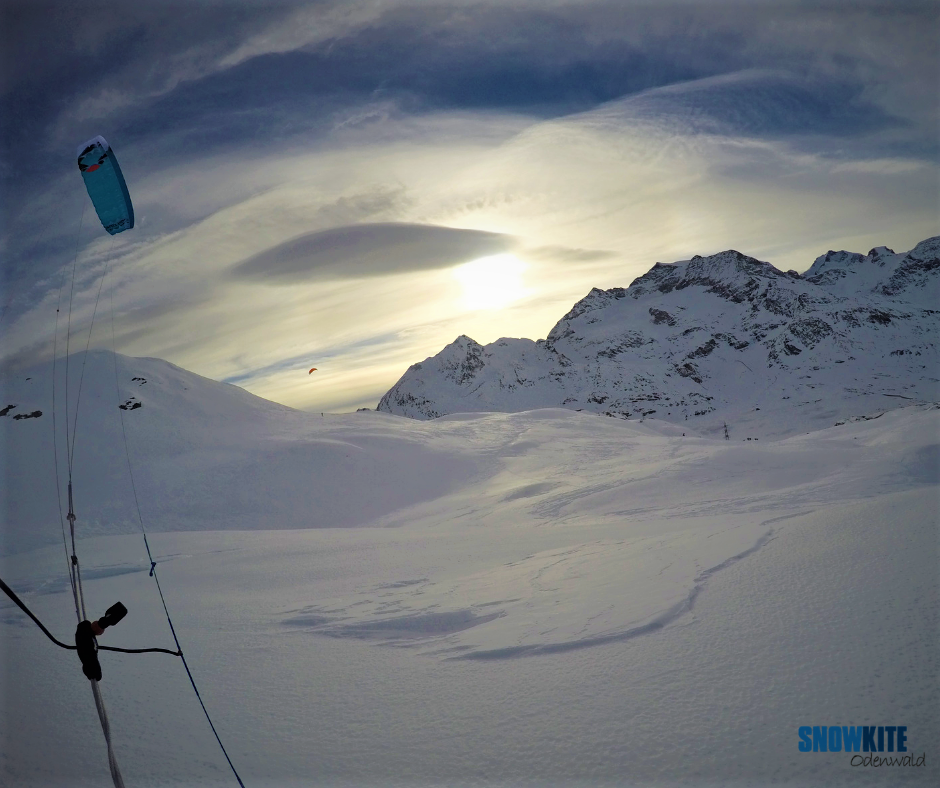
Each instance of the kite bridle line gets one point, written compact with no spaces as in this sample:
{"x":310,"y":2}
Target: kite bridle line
{"x":143,"y":531}
{"x":75,"y":574}
{"x":55,"y":433}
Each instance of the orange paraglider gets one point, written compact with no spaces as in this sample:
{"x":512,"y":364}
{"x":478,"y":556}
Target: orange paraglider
{"x":312,"y":369}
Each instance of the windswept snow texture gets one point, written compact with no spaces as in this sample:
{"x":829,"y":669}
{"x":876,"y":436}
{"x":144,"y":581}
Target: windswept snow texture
{"x":725,"y":339}
{"x":547,"y":598}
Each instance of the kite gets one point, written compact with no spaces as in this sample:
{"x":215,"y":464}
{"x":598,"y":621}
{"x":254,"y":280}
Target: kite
{"x":106,"y":187}
{"x":314,"y":369}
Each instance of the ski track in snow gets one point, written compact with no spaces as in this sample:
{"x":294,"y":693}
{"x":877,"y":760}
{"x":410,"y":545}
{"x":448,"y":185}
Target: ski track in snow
{"x":429,"y":627}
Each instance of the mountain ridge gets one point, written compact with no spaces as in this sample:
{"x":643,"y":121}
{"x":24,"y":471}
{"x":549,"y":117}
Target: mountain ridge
{"x":722,"y":336}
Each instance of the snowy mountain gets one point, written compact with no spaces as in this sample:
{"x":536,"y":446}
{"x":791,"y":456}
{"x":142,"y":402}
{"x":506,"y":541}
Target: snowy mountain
{"x":724,"y":339}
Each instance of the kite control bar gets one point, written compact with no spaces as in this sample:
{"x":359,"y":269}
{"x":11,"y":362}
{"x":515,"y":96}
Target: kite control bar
{"x":115,"y":613}
{"x":85,"y":642}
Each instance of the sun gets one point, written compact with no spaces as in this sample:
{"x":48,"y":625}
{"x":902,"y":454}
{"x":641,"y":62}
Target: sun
{"x":491,"y":282}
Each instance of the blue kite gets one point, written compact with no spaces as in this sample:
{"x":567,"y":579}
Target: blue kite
{"x":106,"y":187}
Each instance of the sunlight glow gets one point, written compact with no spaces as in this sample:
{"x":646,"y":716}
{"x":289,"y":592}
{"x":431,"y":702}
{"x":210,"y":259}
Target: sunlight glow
{"x":491,"y":282}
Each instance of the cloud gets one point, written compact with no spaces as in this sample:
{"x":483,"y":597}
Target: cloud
{"x":143,"y":66}
{"x":565,"y":255}
{"x":363,"y":250}
{"x":756,"y":103}
{"x":363,"y":225}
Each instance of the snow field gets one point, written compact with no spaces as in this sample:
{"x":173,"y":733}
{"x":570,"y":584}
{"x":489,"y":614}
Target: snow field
{"x":542,"y":598}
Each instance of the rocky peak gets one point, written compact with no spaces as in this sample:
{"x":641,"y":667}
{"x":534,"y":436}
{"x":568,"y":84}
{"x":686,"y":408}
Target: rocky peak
{"x":928,"y":250}
{"x":831,"y":259}
{"x":883,"y":272}
{"x":916,"y":275}
{"x":596,"y":299}
{"x":730,"y":274}
{"x":461,"y":359}
{"x":880,"y":255}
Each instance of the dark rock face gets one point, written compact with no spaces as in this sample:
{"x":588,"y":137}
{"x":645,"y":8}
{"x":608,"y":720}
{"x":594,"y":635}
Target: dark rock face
{"x":463,"y":367}
{"x":810,"y":330}
{"x":661,"y":317}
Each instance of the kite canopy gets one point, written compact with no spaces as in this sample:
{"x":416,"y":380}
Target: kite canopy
{"x":105,"y":183}
{"x":314,"y":369}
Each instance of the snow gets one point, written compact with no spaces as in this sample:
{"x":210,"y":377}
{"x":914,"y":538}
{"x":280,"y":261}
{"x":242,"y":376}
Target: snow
{"x":542,"y":597}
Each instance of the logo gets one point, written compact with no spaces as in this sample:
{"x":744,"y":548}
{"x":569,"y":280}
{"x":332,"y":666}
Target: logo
{"x":860,"y":738}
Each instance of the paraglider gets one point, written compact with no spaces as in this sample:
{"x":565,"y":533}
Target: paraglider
{"x":105,"y":184}
{"x":312,"y":370}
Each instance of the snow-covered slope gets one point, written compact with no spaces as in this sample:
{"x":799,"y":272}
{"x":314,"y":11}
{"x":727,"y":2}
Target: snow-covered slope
{"x":541,"y":619}
{"x":205,"y":455}
{"x":527,"y":598}
{"x":725,"y":339}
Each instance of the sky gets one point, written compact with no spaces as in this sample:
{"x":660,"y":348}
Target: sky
{"x":352,"y":185}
